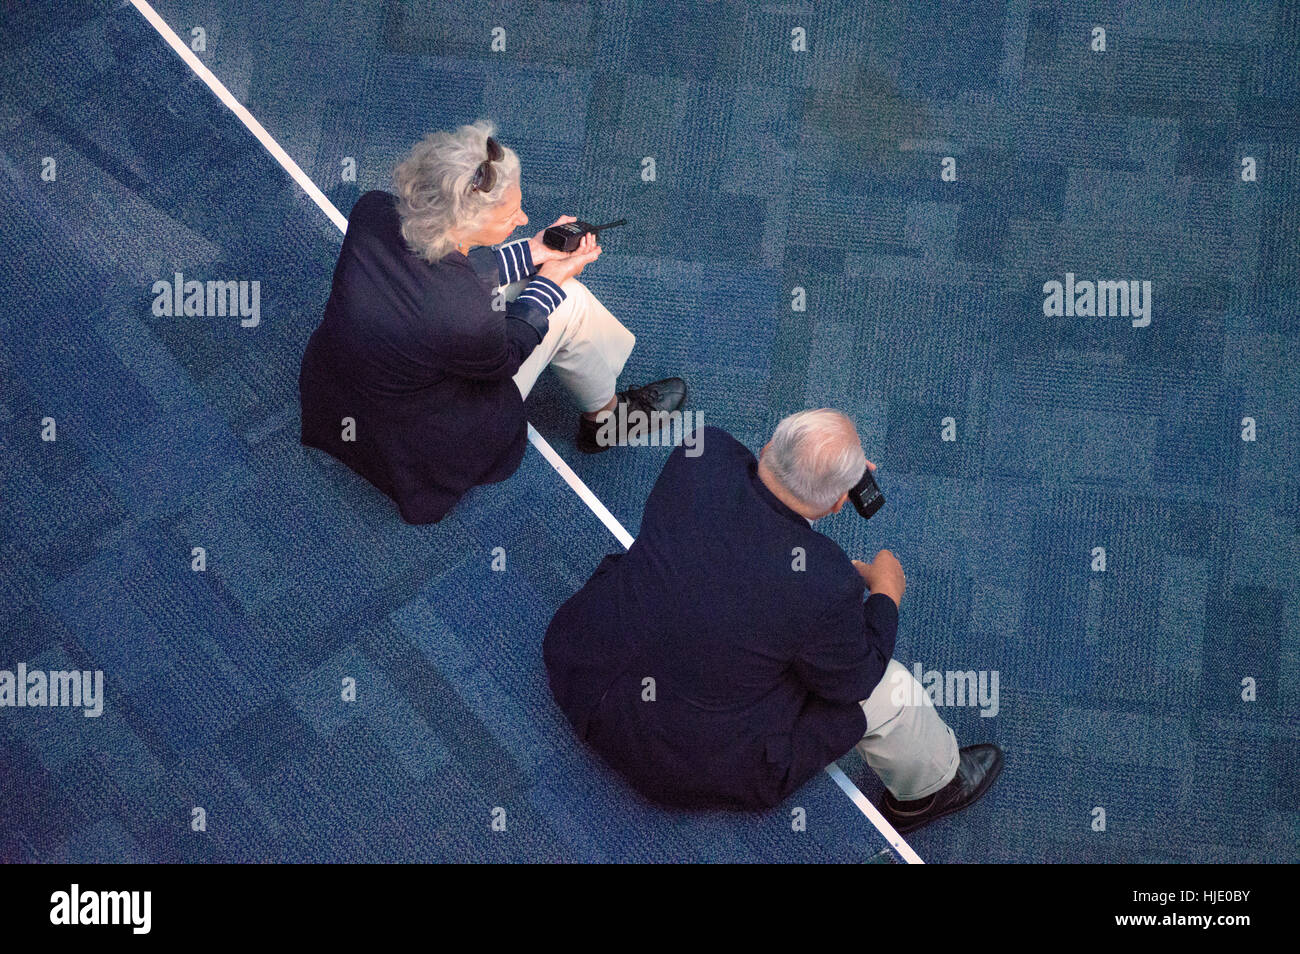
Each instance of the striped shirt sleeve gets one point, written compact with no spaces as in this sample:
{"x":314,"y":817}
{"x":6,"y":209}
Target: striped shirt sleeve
{"x":499,"y":266}
{"x":514,"y":261}
{"x":540,"y":297}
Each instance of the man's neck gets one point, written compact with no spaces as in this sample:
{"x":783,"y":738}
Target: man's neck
{"x":783,"y":495}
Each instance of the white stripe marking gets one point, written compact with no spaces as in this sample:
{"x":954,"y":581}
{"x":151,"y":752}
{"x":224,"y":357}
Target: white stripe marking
{"x":245,"y":117}
{"x":547,"y":451}
{"x":581,"y":489}
{"x":873,"y":814}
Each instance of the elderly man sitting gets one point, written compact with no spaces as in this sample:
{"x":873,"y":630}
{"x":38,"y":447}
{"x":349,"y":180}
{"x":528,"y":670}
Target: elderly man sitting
{"x":431,"y":340}
{"x":729,"y":655}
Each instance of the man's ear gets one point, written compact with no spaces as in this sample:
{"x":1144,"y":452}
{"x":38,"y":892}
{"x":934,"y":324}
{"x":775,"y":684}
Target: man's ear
{"x":839,"y":504}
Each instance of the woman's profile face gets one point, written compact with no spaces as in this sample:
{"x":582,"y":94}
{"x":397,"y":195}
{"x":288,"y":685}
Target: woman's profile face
{"x":505,"y":218}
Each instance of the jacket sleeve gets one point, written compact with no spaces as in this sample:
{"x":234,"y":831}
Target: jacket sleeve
{"x":511,"y":262}
{"x":488,"y":344}
{"x":533,"y":307}
{"x":849,"y":648}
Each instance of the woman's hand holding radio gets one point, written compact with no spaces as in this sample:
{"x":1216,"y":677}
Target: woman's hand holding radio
{"x":538,"y":249}
{"x":561,"y":266}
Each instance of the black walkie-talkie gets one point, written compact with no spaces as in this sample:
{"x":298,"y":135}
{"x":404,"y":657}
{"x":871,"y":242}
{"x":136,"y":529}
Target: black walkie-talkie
{"x":565,"y":238}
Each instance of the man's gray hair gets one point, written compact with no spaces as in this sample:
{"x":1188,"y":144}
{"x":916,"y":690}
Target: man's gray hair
{"x":816,"y":455}
{"x":433,"y":187}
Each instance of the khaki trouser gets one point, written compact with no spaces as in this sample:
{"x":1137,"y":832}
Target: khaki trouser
{"x":907,"y":744}
{"x":586,"y":346}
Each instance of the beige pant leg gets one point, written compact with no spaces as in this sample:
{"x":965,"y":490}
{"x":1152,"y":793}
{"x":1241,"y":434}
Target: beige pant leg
{"x":586,"y":346}
{"x":907,"y":744}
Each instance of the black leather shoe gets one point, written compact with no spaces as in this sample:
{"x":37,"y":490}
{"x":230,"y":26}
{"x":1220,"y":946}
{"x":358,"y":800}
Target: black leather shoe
{"x":979,"y":765}
{"x":666,"y":395}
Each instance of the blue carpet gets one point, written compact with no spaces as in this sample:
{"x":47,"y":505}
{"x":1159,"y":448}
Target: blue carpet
{"x":1119,"y":690}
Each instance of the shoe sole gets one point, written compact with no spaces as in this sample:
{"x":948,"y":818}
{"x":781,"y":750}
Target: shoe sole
{"x":979,"y":793}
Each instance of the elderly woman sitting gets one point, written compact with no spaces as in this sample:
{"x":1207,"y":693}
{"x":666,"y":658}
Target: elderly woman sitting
{"x":417,"y":375}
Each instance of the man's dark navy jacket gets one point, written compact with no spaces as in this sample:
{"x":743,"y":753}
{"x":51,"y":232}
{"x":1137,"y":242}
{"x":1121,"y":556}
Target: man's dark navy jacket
{"x":758,"y":667}
{"x":415,"y":354}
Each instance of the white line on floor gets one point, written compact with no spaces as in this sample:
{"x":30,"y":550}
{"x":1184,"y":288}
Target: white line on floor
{"x":873,"y":815}
{"x":547,"y":451}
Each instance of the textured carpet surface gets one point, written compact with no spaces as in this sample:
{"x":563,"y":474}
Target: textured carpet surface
{"x":798,"y":246}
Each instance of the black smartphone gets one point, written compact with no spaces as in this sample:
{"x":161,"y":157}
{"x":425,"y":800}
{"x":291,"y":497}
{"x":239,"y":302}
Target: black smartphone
{"x":866,"y":496}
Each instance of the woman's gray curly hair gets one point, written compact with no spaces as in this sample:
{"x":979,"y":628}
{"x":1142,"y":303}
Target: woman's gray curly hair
{"x":433,"y":187}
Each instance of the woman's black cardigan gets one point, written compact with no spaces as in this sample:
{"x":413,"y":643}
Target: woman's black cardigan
{"x":407,"y":380}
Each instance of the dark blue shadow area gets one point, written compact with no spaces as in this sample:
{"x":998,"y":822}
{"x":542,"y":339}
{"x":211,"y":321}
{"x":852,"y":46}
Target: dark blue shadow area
{"x":1013,"y":446}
